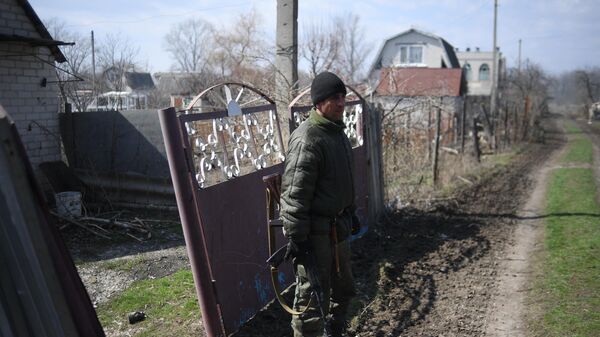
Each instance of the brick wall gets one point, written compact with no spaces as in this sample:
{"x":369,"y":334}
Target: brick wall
{"x":33,"y":108}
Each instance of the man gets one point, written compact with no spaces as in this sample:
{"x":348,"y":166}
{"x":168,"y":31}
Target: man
{"x":317,"y":208}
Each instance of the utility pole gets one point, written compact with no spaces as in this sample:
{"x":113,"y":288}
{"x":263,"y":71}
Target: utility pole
{"x":286,"y":59}
{"x":94,"y":91}
{"x":519,"y":56}
{"x":495,"y":70}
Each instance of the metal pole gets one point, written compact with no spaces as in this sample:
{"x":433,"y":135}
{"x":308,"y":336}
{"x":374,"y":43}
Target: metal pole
{"x":194,"y":237}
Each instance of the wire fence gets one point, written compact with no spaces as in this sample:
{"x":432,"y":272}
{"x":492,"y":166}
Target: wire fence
{"x":428,"y":142}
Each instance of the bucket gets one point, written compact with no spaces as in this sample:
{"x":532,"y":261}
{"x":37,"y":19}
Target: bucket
{"x":68,"y":203}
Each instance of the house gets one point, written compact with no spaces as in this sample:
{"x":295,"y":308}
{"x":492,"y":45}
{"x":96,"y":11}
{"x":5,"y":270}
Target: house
{"x":129,"y":91}
{"x":414,"y":49}
{"x":416,"y":63}
{"x":413,"y":74}
{"x":28,"y":88}
{"x":177,"y":89}
{"x":479,"y":68}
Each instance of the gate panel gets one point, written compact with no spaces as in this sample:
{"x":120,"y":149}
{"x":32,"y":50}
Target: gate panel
{"x":234,"y":214}
{"x":219,"y":150}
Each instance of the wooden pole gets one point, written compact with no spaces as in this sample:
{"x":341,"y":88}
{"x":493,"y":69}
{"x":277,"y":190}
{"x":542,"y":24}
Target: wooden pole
{"x":428,"y":131}
{"x":476,"y":151}
{"x":375,"y":163}
{"x":438,"y":118}
{"x":463,"y":125}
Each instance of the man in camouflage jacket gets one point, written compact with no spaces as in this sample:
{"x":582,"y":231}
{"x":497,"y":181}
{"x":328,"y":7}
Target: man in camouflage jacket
{"x":317,"y":201}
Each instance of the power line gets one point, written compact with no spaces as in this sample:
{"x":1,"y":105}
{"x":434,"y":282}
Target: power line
{"x":238,"y":5}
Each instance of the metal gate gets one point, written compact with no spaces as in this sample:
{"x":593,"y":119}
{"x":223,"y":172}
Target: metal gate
{"x":219,"y":148}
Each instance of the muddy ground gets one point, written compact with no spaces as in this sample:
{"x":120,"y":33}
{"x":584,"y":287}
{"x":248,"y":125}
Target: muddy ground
{"x":429,"y":270}
{"x":433,"y":271}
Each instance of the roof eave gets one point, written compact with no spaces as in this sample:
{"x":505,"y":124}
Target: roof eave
{"x":41,"y":29}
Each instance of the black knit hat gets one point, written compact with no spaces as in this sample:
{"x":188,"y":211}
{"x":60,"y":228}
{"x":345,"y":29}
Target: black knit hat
{"x":325,"y":85}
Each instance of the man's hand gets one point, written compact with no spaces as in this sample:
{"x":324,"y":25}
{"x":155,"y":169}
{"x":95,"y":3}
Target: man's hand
{"x":355,"y":224}
{"x":297,"y":249}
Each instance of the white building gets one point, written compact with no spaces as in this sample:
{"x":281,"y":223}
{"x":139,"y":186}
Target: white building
{"x":135,"y":89}
{"x":28,"y":90}
{"x":478,"y":67}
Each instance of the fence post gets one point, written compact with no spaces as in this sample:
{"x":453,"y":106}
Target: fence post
{"x":463,"y":125}
{"x":429,"y":131}
{"x":374,"y":162}
{"x":192,"y":231}
{"x":476,"y":151}
{"x":68,"y":136}
{"x":438,"y":118}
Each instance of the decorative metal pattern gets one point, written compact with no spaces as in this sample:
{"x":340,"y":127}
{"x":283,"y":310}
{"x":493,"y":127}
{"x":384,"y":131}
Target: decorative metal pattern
{"x":353,"y":115}
{"x":224,"y":147}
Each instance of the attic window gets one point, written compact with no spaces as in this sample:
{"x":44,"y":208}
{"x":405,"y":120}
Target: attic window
{"x":409,"y":55}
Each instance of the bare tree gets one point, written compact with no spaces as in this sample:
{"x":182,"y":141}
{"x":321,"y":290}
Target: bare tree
{"x":588,"y":81}
{"x":116,"y":56}
{"x":190,"y":43}
{"x":74,"y":80}
{"x":528,"y":90}
{"x":338,"y":46}
{"x":320,"y":46}
{"x":241,"y":51}
{"x":354,"y":48}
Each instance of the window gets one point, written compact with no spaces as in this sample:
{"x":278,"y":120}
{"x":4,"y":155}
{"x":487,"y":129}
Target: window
{"x":409,"y":55}
{"x":467,"y":70}
{"x":484,"y":72}
{"x":415,"y":55}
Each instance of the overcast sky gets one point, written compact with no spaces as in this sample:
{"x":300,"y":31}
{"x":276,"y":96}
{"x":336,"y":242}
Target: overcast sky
{"x":560,"y":35}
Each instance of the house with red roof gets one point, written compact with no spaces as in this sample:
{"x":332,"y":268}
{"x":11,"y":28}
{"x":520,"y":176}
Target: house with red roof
{"x":413,"y":74}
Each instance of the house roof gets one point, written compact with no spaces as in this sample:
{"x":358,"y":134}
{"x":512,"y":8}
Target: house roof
{"x":420,"y":82}
{"x":46,"y":38}
{"x":448,"y":49}
{"x":178,"y":83}
{"x":139,"y":81}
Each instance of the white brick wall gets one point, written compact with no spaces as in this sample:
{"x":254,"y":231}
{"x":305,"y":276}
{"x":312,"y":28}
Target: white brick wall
{"x":33,"y":108}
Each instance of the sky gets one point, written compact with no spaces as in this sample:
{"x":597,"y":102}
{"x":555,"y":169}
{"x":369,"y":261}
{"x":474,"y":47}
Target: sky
{"x":559,"y":35}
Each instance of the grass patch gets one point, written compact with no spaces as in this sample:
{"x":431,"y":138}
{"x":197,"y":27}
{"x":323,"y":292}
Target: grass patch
{"x":123,"y":264}
{"x":571,"y":128}
{"x":500,"y":159}
{"x":569,"y":292}
{"x":170,"y":305}
{"x":580,"y":151}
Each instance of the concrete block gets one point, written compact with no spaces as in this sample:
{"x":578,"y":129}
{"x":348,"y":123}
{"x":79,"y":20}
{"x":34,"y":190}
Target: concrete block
{"x":9,"y":15}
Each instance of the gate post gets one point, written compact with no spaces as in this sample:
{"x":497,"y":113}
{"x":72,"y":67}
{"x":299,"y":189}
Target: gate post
{"x":374,"y":162}
{"x":195,"y":241}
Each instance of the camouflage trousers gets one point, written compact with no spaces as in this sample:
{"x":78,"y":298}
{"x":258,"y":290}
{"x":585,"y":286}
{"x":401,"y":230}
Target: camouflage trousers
{"x":338,"y":289}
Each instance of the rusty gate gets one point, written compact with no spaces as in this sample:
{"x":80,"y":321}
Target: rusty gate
{"x":219,"y":148}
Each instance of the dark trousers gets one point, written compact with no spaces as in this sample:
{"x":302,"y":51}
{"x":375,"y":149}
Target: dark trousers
{"x":338,"y":289}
